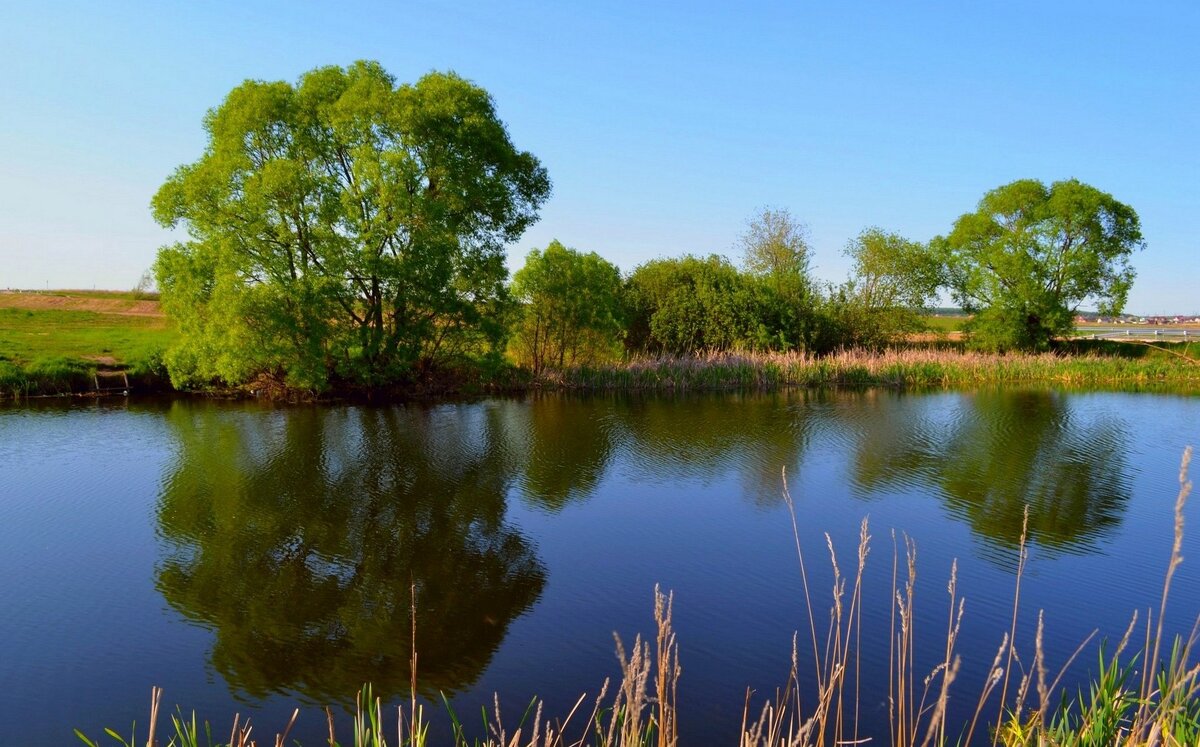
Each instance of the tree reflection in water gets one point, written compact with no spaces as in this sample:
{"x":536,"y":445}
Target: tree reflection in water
{"x":295,"y":535}
{"x":1000,"y":451}
{"x":569,"y":444}
{"x":570,"y":441}
{"x":705,"y":437}
{"x":302,"y":538}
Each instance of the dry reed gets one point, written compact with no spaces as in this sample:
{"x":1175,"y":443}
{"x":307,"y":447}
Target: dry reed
{"x":924,"y":367}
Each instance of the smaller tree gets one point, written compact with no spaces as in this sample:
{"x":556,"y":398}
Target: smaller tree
{"x":146,"y":286}
{"x":776,"y":252}
{"x":691,"y":304}
{"x":775,"y":245}
{"x":1029,"y":255}
{"x":892,"y":284}
{"x":570,"y":308}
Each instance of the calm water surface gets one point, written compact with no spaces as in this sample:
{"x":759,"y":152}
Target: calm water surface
{"x":249,"y":558}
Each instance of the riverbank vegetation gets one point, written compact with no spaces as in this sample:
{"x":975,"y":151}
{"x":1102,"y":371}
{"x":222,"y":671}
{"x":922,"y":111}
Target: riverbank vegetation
{"x":922,"y":366}
{"x":348,"y":233}
{"x":57,"y":350}
{"x":1143,"y":689}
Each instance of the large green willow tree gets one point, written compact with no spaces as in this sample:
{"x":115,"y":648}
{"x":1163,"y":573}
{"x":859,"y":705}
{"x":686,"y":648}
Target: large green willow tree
{"x":1030,"y":255}
{"x":345,"y":227}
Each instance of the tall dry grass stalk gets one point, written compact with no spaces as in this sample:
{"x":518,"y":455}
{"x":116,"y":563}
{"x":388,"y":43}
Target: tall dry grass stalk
{"x":1166,"y":694}
{"x":1022,"y":557}
{"x":916,"y":703}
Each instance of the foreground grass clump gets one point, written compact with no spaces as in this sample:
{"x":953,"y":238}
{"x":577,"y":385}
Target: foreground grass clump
{"x":1137,"y":699}
{"x":59,"y":374}
{"x":916,"y":367}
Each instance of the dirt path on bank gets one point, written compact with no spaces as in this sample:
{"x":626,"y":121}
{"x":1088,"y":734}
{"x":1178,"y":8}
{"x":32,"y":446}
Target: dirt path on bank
{"x":66,"y":301}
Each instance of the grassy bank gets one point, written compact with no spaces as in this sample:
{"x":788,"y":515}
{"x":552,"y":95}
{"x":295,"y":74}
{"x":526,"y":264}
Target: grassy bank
{"x":1090,"y":366}
{"x":1146,"y":690}
{"x":57,"y":342}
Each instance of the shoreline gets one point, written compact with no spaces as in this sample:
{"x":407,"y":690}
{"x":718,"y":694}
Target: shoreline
{"x":903,"y":368}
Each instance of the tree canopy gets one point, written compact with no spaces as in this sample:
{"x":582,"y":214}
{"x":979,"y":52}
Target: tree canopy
{"x":570,"y":308}
{"x":1029,"y":255}
{"x":343,"y":227}
{"x":893,"y":281}
{"x":692,"y":304}
{"x":775,"y":245}
{"x":775,"y":252}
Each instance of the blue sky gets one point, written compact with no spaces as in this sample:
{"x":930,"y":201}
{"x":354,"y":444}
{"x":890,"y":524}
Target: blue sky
{"x":664,"y":125}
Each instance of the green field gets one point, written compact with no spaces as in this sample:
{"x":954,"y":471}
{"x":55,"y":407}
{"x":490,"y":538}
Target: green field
{"x":114,"y":339}
{"x":56,"y":342}
{"x":946,"y":323}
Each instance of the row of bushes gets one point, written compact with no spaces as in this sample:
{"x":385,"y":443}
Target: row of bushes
{"x":576,"y":309}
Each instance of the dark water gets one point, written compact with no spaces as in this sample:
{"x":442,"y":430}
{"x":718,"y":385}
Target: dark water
{"x":250,"y":558}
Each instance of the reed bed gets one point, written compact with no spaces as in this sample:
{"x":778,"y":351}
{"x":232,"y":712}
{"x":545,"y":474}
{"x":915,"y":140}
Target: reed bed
{"x":911,"y":367}
{"x":1020,"y":703}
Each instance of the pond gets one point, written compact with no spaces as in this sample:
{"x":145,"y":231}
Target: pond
{"x":251,"y":558}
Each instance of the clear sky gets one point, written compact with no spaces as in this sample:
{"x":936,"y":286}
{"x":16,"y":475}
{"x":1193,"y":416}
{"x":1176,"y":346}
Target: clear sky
{"x":664,"y":125}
